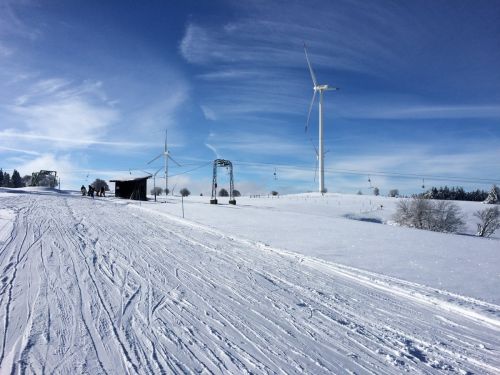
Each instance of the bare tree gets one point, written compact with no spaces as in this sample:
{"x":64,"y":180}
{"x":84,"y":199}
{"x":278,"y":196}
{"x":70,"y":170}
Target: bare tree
{"x":440,"y":216}
{"x":236,"y":193}
{"x":489,"y":221}
{"x":156,"y":190}
{"x":98,"y":184}
{"x":27,"y":180}
{"x":446,"y":217}
{"x":223,"y":193}
{"x":376,"y":191}
{"x":185,"y":192}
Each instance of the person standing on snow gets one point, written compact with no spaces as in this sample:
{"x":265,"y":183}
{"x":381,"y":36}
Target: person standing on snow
{"x":83,"y":190}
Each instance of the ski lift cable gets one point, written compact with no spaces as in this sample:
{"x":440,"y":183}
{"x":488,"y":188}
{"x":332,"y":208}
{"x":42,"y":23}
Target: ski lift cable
{"x":191,"y":170}
{"x":380,"y":173}
{"x":284,"y":166}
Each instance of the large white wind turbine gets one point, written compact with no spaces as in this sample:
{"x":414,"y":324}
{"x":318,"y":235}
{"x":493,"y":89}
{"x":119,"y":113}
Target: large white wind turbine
{"x":320,"y":154}
{"x":166,"y":156}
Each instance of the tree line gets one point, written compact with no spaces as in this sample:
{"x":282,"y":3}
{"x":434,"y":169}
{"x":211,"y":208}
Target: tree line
{"x":454,"y":194}
{"x":14,"y":181}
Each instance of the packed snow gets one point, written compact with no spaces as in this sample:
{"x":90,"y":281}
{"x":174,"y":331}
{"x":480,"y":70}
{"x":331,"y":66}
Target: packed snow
{"x":299,"y":284}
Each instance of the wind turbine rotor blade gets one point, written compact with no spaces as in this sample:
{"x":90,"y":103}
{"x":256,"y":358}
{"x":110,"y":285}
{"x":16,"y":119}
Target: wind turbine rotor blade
{"x":310,"y":109}
{"x":174,"y":161}
{"x":310,"y":67}
{"x":159,"y":156}
{"x":165,"y":140}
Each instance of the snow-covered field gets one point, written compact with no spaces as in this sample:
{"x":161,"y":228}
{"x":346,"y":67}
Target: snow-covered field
{"x":288,"y":285}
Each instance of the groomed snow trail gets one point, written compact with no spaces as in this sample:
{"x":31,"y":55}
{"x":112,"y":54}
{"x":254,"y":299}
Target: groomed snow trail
{"x":88,"y":286}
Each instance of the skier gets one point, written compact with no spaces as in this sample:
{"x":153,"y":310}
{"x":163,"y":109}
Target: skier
{"x":91,"y":191}
{"x":83,"y":190}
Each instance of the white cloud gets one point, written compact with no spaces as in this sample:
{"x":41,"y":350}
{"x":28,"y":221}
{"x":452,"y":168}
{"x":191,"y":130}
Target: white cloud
{"x":249,"y":143}
{"x":405,"y":167}
{"x":272,"y":34}
{"x":28,"y":152}
{"x":58,"y":110}
{"x":5,"y":51}
{"x":415,"y":111}
{"x":213,"y":149}
{"x":63,"y":165}
{"x":11,"y":24}
{"x":68,"y":142}
{"x":208,"y":113}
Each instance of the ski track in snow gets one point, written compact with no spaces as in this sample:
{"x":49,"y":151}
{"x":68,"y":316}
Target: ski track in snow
{"x":88,"y":286}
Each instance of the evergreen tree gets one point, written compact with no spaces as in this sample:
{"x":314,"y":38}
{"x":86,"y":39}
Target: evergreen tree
{"x":6,"y":179}
{"x":434,"y":193}
{"x":493,"y":196}
{"x":17,"y":181}
{"x":1,"y":177}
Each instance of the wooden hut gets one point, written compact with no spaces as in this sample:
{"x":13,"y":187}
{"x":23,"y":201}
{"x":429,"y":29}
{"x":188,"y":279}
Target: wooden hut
{"x":135,"y":188}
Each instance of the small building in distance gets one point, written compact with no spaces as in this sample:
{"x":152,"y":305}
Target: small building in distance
{"x":134,"y":188}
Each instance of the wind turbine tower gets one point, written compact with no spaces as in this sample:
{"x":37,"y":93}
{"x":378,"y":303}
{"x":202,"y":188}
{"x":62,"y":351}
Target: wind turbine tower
{"x":320,"y":153}
{"x":166,"y":156}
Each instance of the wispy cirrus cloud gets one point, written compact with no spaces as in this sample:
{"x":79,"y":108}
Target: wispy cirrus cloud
{"x":208,"y":112}
{"x":345,"y":35}
{"x":405,"y":109}
{"x":70,"y":142}
{"x":252,"y":61}
{"x":248,"y":144}
{"x":213,"y":149}
{"x":5,"y":51}
{"x":65,"y":113}
{"x":17,"y":150}
{"x":11,"y":24}
{"x":411,"y":162}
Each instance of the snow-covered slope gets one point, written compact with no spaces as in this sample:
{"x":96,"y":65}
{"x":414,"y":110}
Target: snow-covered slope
{"x":343,"y":229}
{"x":92,"y":286}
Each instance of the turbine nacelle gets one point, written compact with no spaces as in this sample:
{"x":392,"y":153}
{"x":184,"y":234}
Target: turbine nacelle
{"x":324,"y":88}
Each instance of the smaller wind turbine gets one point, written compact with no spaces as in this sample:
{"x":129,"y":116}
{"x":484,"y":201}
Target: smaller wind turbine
{"x":321,"y":88}
{"x":154,"y":181}
{"x":166,"y":156}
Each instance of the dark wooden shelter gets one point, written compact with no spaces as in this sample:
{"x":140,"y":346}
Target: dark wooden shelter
{"x":135,"y":188}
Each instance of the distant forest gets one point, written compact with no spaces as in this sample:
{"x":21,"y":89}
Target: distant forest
{"x":15,"y":181}
{"x":454,"y":194}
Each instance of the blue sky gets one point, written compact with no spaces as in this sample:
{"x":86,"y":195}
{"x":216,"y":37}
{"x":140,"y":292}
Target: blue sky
{"x":88,"y":88}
